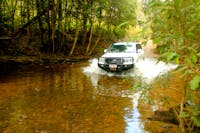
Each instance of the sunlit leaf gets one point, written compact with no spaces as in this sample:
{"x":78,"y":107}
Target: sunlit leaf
{"x":122,"y":24}
{"x":194,"y":59}
{"x":198,"y":54}
{"x":190,"y":34}
{"x":171,"y":56}
{"x":195,"y":83}
{"x":184,"y":114}
{"x":191,"y":49}
{"x":181,"y":68}
{"x":196,"y":120}
{"x":187,"y":72}
{"x":176,"y":60}
{"x":188,"y":62}
{"x":176,"y":3}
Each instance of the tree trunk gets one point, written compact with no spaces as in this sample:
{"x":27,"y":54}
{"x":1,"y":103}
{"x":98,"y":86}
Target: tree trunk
{"x":85,"y":19}
{"x":84,"y":36}
{"x":49,"y":27}
{"x":75,"y":41}
{"x":28,"y":18}
{"x":40,"y":22}
{"x":90,"y":40}
{"x":60,"y":26}
{"x":12,"y":12}
{"x":1,"y":9}
{"x":22,"y":12}
{"x":96,"y":43}
{"x":53,"y":26}
{"x":53,"y":38}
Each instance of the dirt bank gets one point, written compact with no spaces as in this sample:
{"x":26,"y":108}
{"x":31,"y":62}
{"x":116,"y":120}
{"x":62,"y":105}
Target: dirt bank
{"x":150,"y":50}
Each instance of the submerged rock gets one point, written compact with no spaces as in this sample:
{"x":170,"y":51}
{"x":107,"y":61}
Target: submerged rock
{"x":165,"y":116}
{"x":170,"y":116}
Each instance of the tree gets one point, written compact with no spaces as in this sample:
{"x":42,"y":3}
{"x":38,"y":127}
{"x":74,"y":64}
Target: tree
{"x":175,"y":25}
{"x":60,"y":19}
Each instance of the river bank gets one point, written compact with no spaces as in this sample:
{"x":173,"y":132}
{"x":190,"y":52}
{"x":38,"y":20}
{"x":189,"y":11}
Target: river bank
{"x":41,"y":60}
{"x":11,"y":64}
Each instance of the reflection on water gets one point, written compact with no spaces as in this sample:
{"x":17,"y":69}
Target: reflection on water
{"x":135,"y":125}
{"x":74,"y":98}
{"x":61,"y":101}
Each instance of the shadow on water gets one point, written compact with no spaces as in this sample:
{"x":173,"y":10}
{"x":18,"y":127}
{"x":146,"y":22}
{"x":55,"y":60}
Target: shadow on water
{"x":73,"y":98}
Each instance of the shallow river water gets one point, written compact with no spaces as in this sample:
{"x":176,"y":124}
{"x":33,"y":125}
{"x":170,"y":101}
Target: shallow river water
{"x":82,"y":98}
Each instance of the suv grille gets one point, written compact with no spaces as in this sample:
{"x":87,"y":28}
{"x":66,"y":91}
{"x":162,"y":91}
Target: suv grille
{"x":113,"y":60}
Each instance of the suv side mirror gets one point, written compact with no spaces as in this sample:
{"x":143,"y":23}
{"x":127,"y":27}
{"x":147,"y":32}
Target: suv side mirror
{"x":105,"y":50}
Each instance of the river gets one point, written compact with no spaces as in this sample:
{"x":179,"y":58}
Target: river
{"x":82,"y":98}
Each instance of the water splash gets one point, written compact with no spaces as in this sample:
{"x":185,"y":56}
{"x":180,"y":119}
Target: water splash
{"x":148,"y":69}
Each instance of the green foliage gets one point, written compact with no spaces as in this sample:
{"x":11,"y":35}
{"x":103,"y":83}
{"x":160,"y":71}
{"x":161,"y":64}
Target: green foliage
{"x":171,"y":56}
{"x":195,"y":83}
{"x":196,"y":120}
{"x":175,"y":30}
{"x":184,"y":114}
{"x":55,"y":22}
{"x":175,"y":27}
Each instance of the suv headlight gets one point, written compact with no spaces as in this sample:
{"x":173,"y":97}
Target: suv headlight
{"x":101,"y":60}
{"x":128,"y":60}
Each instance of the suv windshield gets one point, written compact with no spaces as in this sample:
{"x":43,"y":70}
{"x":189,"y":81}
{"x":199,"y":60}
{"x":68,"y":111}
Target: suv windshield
{"x":121,"y":48}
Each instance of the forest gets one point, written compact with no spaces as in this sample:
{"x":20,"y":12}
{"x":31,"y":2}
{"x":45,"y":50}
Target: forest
{"x":175,"y":29}
{"x":85,"y":27}
{"x":62,"y":27}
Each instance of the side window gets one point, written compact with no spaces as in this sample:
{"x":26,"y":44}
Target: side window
{"x":138,"y":46}
{"x":130,"y":48}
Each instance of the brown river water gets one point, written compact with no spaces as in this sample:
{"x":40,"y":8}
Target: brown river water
{"x":82,"y":98}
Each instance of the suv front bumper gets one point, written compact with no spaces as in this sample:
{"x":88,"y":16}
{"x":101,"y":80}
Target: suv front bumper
{"x":109,"y":67}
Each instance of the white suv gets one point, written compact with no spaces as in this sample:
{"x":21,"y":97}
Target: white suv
{"x":120,"y":56}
